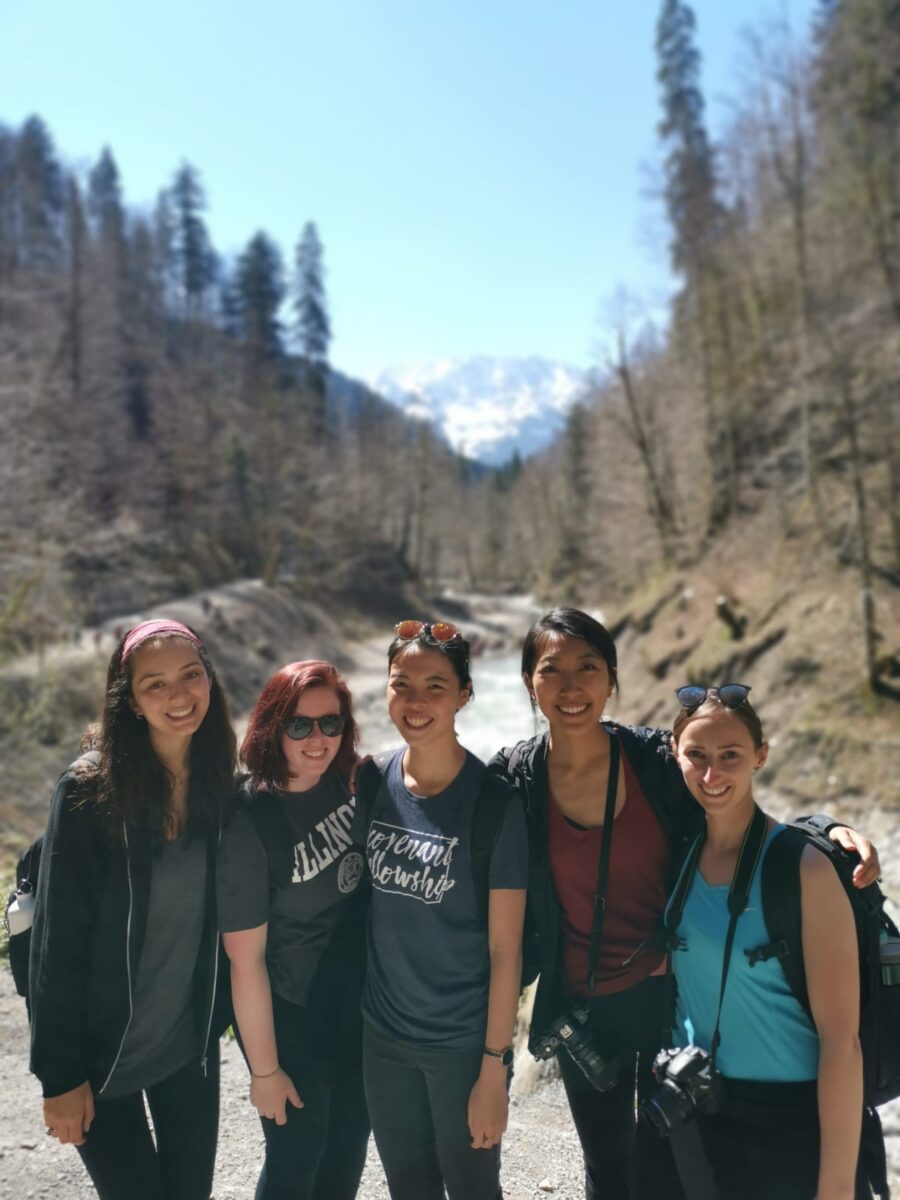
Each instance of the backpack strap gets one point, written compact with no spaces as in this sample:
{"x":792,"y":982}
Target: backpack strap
{"x":782,"y":912}
{"x":609,"y":820}
{"x":738,"y":895}
{"x":368,"y":780}
{"x":28,"y":865}
{"x":487,"y":818}
{"x":275,"y":832}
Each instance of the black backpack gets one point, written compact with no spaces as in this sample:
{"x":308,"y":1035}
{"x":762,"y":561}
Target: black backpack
{"x":879,"y":1026}
{"x":490,"y":808}
{"x":27,"y":869}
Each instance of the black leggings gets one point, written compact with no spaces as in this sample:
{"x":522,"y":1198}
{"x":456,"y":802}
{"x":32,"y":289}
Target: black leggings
{"x":320,"y":1153}
{"x":624,"y":1159}
{"x":419,"y":1098}
{"x":119,"y":1151}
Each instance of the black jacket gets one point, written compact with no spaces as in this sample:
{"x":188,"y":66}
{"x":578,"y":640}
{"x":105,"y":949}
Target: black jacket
{"x":89,"y":923}
{"x":525,"y":766}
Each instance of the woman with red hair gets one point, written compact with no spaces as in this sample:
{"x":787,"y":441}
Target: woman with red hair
{"x":292,"y":914}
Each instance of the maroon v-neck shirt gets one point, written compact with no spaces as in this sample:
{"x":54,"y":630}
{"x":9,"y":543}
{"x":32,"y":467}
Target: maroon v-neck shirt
{"x":636,"y":891}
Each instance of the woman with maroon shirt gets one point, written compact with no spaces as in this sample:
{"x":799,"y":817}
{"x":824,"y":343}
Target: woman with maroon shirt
{"x":605,"y":957}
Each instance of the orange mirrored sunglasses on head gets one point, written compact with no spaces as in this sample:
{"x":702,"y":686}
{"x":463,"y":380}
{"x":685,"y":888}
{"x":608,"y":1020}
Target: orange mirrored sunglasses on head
{"x":441,"y":631}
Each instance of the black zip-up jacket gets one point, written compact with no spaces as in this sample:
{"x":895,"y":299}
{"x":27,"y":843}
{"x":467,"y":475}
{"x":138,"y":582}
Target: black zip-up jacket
{"x":89,"y":923}
{"x":525,"y":767}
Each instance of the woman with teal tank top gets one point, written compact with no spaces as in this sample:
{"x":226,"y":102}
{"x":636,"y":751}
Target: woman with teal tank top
{"x":788,"y":1125}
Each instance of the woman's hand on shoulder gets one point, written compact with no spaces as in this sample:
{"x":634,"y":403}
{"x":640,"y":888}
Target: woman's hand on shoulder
{"x":69,"y":1115}
{"x":271,"y":1095}
{"x":488,"y":1107}
{"x":868,"y":869}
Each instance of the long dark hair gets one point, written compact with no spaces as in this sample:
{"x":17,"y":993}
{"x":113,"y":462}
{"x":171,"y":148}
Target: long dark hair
{"x":130,"y":782}
{"x":261,"y":749}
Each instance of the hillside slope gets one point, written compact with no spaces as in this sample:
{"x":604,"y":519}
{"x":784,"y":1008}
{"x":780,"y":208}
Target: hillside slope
{"x":801,"y":651}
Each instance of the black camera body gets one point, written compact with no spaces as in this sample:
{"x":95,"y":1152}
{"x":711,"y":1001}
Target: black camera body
{"x":572,"y":1032}
{"x":687,"y":1085}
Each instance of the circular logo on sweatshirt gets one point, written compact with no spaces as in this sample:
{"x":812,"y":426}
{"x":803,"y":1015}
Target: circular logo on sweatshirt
{"x":350,"y":872}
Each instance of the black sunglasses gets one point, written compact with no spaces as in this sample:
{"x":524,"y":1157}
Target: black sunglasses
{"x":298,"y":728}
{"x":730,"y":695}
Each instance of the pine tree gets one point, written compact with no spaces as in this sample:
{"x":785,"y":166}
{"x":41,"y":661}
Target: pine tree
{"x":8,"y":217}
{"x":260,"y":291}
{"x":104,"y":202}
{"x":858,"y":101}
{"x":165,"y":257}
{"x":76,"y":236}
{"x":698,"y":224}
{"x":312,"y":326}
{"x":196,"y":260}
{"x":40,"y":195}
{"x":690,"y":187}
{"x":571,"y":565}
{"x":858,"y":94}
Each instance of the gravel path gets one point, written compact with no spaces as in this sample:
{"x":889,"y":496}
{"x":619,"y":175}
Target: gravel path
{"x":540,"y":1152}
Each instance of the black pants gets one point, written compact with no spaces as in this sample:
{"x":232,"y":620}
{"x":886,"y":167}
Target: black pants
{"x":320,"y":1153}
{"x":624,"y":1159}
{"x":119,"y":1151}
{"x":419,"y":1099}
{"x":766,"y":1143}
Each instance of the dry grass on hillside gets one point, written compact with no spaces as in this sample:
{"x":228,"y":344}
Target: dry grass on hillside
{"x":802,"y":652}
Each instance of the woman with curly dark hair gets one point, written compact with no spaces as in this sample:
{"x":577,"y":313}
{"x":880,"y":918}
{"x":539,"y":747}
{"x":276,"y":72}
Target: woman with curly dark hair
{"x":126,"y":997}
{"x":292,"y":910}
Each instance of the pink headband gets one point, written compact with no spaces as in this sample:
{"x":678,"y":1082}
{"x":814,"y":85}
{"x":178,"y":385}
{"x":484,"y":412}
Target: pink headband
{"x":149,"y":629}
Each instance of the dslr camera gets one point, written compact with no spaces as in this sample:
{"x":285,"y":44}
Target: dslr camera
{"x":687,"y":1085}
{"x":572,"y":1031}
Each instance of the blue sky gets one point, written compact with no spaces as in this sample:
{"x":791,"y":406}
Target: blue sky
{"x":478,"y":169}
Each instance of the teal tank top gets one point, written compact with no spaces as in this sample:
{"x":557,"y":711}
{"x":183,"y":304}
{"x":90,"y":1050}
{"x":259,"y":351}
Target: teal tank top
{"x":765,"y":1032}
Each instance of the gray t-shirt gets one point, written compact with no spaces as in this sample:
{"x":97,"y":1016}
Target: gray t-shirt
{"x":322,"y":869}
{"x":163,"y":1034}
{"x":428,"y":963}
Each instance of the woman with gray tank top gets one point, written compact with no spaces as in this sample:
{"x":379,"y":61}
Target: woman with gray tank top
{"x":127,"y":1000}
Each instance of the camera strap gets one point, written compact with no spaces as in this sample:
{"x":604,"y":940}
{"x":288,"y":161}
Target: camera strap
{"x":738,"y":896}
{"x":609,"y":818}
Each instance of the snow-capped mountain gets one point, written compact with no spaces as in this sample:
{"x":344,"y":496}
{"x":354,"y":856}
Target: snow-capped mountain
{"x":487,"y":408}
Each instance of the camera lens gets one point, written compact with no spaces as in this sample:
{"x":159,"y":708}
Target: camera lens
{"x":602,"y":1073}
{"x":669,"y":1106}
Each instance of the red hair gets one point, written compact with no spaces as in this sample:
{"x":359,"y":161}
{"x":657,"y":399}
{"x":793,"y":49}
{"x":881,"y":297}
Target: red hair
{"x":261,"y":749}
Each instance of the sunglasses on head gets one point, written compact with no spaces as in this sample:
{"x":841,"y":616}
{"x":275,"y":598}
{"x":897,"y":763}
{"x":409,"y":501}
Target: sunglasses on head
{"x":331,"y":725}
{"x":440,"y":631}
{"x":730,"y":695}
